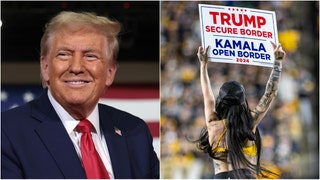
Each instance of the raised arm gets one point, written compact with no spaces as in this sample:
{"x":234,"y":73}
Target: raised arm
{"x":208,"y":97}
{"x":271,"y":87}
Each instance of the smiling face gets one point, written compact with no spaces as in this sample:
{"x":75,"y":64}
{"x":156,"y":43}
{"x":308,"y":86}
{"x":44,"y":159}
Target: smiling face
{"x":77,"y":69}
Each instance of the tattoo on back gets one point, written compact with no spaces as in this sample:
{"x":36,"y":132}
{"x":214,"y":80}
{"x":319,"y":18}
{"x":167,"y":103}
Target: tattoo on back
{"x":217,"y":166}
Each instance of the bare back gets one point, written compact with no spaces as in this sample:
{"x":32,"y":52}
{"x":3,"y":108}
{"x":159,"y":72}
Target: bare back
{"x":217,"y":128}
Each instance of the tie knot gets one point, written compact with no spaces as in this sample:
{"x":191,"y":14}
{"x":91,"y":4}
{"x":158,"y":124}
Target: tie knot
{"x":84,"y":126}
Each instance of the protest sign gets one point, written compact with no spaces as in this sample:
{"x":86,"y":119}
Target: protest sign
{"x":238,"y":35}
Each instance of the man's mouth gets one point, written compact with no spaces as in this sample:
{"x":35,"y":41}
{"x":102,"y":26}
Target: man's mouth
{"x":77,"y":82}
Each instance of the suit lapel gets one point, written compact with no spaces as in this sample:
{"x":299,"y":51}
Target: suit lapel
{"x":56,"y":139}
{"x":117,"y":145}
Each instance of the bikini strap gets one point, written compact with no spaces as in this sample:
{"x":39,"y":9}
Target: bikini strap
{"x":215,"y":148}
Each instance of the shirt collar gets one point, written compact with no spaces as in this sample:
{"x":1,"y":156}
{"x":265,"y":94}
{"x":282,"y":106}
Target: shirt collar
{"x":69,"y":122}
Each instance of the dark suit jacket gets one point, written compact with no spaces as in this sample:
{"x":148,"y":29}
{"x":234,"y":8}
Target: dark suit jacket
{"x":35,"y":144}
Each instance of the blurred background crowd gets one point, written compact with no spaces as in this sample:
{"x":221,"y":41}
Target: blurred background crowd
{"x":290,"y":130}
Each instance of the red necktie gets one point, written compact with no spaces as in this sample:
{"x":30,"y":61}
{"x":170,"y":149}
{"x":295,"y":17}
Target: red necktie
{"x":91,"y":160}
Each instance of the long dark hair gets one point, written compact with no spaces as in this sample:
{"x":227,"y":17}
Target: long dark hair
{"x":232,"y":106}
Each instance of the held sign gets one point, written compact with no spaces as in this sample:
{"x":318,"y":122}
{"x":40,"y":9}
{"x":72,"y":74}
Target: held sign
{"x":238,"y":35}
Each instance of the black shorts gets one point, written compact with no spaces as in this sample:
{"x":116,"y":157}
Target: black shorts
{"x":231,"y":174}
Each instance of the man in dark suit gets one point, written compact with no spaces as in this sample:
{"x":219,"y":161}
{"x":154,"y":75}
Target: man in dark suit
{"x":42,"y":139}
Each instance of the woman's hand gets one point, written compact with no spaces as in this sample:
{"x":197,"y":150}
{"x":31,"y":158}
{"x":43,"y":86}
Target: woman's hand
{"x":203,"y":54}
{"x":279,"y":53}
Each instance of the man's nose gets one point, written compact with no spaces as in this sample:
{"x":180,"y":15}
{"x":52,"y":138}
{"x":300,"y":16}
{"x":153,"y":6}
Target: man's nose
{"x":76,"y":64}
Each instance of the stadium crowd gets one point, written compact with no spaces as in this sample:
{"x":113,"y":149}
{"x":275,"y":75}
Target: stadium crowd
{"x":289,"y":130}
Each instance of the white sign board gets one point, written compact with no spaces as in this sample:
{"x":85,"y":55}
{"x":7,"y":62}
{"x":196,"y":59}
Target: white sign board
{"x":238,"y":35}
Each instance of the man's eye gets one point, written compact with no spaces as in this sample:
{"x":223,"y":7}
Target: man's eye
{"x":63,"y":55}
{"x":91,"y":57}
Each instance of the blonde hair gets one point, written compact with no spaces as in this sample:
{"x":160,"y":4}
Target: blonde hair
{"x":74,"y":21}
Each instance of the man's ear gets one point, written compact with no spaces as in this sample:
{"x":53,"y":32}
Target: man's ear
{"x":111,"y":72}
{"x":44,"y":69}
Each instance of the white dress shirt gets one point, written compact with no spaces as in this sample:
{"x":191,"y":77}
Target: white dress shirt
{"x":98,"y":138}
